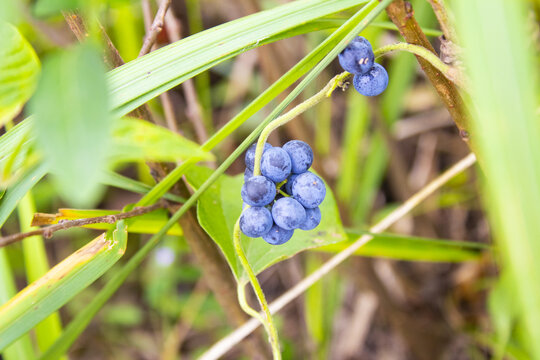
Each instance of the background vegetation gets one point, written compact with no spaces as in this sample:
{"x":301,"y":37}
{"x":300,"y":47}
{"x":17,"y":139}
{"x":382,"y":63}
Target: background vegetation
{"x":114,"y":113}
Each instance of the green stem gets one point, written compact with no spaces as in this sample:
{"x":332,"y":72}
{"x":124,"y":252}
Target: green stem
{"x":284,"y":194}
{"x":335,"y":82}
{"x":325,"y":92}
{"x":268,"y":322}
{"x":448,"y":71}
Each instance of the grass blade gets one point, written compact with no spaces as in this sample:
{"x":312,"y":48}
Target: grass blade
{"x":47,"y":294}
{"x":36,"y":265}
{"x":9,"y":200}
{"x":138,"y":81}
{"x":22,"y":348}
{"x":498,"y":53}
{"x":412,"y":248}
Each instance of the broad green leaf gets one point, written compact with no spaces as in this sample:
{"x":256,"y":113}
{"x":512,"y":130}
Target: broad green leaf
{"x":504,"y":84}
{"x":9,"y":11}
{"x":220,"y":206}
{"x":412,"y":248}
{"x":13,"y":194}
{"x":19,"y":69}
{"x":72,"y":122}
{"x":142,"y":79}
{"x":47,"y":294}
{"x":135,"y":140}
{"x":149,"y":223}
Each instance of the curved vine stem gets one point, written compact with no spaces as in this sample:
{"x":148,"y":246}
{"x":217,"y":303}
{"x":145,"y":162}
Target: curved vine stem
{"x":268,"y":322}
{"x":327,"y":91}
{"x":450,"y":72}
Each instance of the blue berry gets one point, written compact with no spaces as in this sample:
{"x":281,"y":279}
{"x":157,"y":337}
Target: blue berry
{"x":301,"y":155}
{"x":276,"y":164}
{"x":288,"y":184}
{"x":247,"y":174}
{"x":277,"y":235}
{"x":309,"y":190}
{"x":255,"y":221}
{"x":313,"y":219}
{"x":250,"y":155}
{"x":357,"y":57}
{"x":288,"y":213}
{"x":373,"y":82}
{"x":258,"y":191}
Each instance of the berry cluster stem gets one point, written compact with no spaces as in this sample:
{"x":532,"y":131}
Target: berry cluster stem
{"x":325,"y":92}
{"x":448,"y":71}
{"x":268,"y":323}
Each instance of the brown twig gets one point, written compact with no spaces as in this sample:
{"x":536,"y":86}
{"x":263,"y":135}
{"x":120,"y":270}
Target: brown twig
{"x":66,"y":224}
{"x":155,"y":28}
{"x":193,"y":107}
{"x":444,"y":19}
{"x":402,"y":15}
{"x":168,"y":108}
{"x":78,"y":26}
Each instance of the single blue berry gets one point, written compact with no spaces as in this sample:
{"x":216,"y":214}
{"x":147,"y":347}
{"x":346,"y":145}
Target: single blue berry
{"x":277,"y":235}
{"x":276,"y":164}
{"x":247,"y":174}
{"x":313,"y":219}
{"x":301,"y":156}
{"x":373,"y":82}
{"x":288,"y":184}
{"x":258,"y":191}
{"x":288,"y":213}
{"x":250,"y":155}
{"x":357,"y":57}
{"x":309,"y":190}
{"x":256,"y":221}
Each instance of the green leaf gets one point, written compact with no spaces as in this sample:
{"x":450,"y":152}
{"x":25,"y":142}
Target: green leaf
{"x":53,"y":7}
{"x":142,"y":79}
{"x":503,"y":310}
{"x":122,"y":182}
{"x":47,"y":294}
{"x":14,"y":193}
{"x":411,"y":248}
{"x":21,"y":349}
{"x":36,"y":265}
{"x":72,"y":122}
{"x":136,"y":140}
{"x":14,"y":148}
{"x":499,"y":55}
{"x":19,"y":69}
{"x":220,"y":206}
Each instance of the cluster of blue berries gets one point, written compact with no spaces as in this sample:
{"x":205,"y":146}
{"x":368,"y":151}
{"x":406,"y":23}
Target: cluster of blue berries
{"x":370,"y":78}
{"x":285,"y":197}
